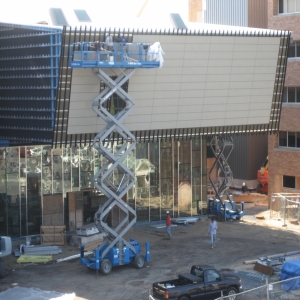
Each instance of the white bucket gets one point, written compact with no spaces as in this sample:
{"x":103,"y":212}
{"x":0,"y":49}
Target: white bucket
{"x":111,"y":58}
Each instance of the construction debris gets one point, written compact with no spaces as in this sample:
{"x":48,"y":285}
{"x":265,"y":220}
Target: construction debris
{"x":248,"y":262}
{"x":73,"y":257}
{"x":273,"y":263}
{"x":187,"y":220}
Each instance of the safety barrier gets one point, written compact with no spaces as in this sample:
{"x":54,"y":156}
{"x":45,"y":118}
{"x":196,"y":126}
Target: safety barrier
{"x":269,"y":291}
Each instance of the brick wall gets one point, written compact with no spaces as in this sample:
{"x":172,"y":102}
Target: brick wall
{"x":195,"y":8}
{"x":292,"y":77}
{"x":283,"y":22}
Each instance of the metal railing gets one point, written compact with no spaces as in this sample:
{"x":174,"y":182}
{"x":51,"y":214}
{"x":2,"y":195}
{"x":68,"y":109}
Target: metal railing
{"x":133,"y":55}
{"x":270,"y":291}
{"x":285,"y":207}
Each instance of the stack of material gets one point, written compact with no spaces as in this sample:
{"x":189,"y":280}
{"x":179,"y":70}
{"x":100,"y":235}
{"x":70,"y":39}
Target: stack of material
{"x":273,"y":263}
{"x":37,"y":250}
{"x":77,"y":240}
{"x":91,"y":246}
{"x":34,"y":259}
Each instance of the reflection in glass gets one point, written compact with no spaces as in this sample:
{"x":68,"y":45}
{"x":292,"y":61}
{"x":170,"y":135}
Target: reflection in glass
{"x":166,"y":173}
{"x":170,"y":175}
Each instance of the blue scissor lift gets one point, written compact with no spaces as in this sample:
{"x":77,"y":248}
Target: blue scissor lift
{"x":113,"y":179}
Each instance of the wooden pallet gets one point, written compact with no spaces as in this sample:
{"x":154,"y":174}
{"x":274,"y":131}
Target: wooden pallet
{"x":53,"y":235}
{"x":91,"y":246}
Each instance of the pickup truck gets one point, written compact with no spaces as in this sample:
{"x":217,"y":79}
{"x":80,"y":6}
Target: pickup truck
{"x":202,"y":283}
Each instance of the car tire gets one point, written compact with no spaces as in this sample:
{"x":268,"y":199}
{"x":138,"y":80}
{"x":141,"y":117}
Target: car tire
{"x":231,"y":292}
{"x":2,"y":268}
{"x":139,"y":261}
{"x":106,"y":267}
{"x":184,"y":298}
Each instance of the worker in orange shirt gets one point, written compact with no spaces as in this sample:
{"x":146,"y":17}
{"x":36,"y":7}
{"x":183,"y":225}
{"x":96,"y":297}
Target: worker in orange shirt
{"x":168,"y":224}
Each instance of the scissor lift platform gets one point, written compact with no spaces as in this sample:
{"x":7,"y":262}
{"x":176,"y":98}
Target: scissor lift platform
{"x":129,"y":55}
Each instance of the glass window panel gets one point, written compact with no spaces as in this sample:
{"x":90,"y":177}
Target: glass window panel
{"x":2,"y":172}
{"x":291,"y":94}
{"x":283,"y":138}
{"x":291,"y":139}
{"x":13,"y":204}
{"x":154,"y":181}
{"x":298,"y":139}
{"x":297,"y":44}
{"x":184,"y":188}
{"x":292,"y":50}
{"x":298,"y":94}
{"x":297,"y":5}
{"x":281,"y":6}
{"x":58,"y":17}
{"x":284,"y":95}
{"x":288,"y":182}
{"x":290,"y":5}
{"x":82,"y":15}
{"x":166,"y":173}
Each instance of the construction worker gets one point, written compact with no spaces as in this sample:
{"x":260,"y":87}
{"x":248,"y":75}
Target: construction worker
{"x":168,"y":224}
{"x":212,"y":230}
{"x":245,"y":188}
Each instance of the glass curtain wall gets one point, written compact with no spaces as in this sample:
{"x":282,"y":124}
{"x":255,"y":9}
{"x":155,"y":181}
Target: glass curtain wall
{"x":170,"y":175}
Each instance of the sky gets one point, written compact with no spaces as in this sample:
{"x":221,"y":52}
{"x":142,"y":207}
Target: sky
{"x":112,"y":13}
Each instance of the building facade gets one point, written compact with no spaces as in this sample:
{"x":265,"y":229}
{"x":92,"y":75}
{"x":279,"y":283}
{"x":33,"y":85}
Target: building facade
{"x":244,"y":13}
{"x":284,"y":148}
{"x":204,"y":84}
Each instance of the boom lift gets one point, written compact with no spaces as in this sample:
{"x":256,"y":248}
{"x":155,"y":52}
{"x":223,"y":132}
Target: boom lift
{"x":114,"y":179}
{"x":223,"y":209}
{"x":263,"y":178}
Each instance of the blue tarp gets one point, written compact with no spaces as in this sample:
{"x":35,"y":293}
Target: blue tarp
{"x":291,"y":269}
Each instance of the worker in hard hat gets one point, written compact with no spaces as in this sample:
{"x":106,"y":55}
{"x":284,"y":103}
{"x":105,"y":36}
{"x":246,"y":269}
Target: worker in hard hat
{"x":244,"y":188}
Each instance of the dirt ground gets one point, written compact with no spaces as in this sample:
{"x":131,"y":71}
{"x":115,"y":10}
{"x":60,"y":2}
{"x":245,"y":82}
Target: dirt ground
{"x":237,"y":241}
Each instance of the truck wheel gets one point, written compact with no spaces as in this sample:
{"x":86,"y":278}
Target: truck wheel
{"x":106,"y":267}
{"x":184,"y":298}
{"x":220,"y":217}
{"x":231,"y":292}
{"x":2,"y":269}
{"x":139,"y":261}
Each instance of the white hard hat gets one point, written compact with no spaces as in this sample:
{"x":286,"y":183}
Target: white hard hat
{"x":167,"y":212}
{"x":106,"y":34}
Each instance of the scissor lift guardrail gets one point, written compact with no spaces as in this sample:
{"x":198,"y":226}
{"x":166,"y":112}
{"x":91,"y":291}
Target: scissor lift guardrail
{"x":122,"y":55}
{"x":113,"y":179}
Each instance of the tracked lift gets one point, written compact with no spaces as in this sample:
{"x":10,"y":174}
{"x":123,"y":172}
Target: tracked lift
{"x":218,"y":206}
{"x":113,"y":179}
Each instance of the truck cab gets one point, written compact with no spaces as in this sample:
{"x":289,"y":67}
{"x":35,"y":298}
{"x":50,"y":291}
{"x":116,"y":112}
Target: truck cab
{"x":203,"y":283}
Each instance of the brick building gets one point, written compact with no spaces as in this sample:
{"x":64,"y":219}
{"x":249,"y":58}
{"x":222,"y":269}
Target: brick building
{"x":284,"y":148}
